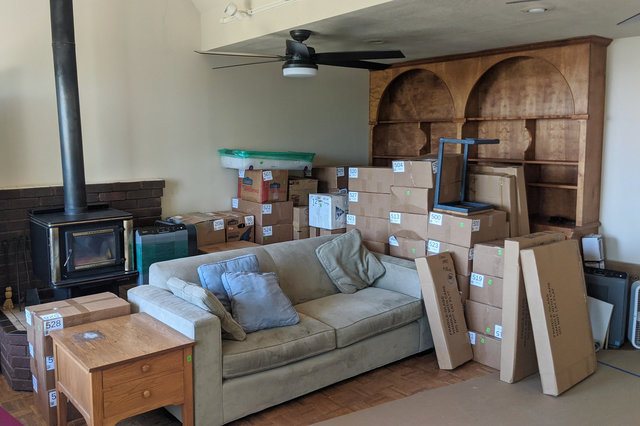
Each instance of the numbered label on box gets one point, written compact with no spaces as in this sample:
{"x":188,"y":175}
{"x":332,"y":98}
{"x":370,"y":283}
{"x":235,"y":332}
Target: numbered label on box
{"x":53,"y":399}
{"x":398,"y":166}
{"x":433,"y":246}
{"x":267,"y":208}
{"x":267,"y":231}
{"x":435,"y":218}
{"x":395,"y":217}
{"x":353,"y":197}
{"x":353,"y":172}
{"x":498,"y":331}
{"x":218,"y":225}
{"x":477,"y":280}
{"x":475,"y":225}
{"x":351,"y":219}
{"x":52,"y":325}
{"x":267,"y":175}
{"x":340,"y":171}
{"x":234,"y":203}
{"x":249,"y":220}
{"x":472,"y":337}
{"x":50,"y":363}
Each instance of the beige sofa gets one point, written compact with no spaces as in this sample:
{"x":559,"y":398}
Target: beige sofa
{"x":338,"y":336}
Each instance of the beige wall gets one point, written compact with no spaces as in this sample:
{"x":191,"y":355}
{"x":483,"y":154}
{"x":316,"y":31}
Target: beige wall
{"x":620,"y":199}
{"x":151,"y":108}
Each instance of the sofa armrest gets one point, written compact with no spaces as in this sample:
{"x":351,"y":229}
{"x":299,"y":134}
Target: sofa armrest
{"x":199,"y":325}
{"x":400,"y":275}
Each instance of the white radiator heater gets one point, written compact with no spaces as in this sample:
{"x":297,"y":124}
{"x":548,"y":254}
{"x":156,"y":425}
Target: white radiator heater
{"x":634,"y":315}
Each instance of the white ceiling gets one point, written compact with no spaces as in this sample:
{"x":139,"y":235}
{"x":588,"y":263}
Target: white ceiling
{"x":430,"y":28}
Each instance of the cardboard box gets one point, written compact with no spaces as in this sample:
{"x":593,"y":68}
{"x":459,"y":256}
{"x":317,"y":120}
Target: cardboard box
{"x":444,"y":310}
{"x":274,"y":234}
{"x":209,"y":227}
{"x":485,"y":289}
{"x":300,"y":188}
{"x":521,"y":190}
{"x":467,"y":230}
{"x":498,"y":190}
{"x":370,"y":179}
{"x":300,"y":217}
{"x":331,"y":179}
{"x":556,"y":291}
{"x":486,"y":349}
{"x":518,"y":356}
{"x":46,"y":403}
{"x":462,"y":256}
{"x":261,"y":186}
{"x":371,"y":228}
{"x":372,"y":204}
{"x":488,"y":258}
{"x":301,"y":234}
{"x":407,"y":248}
{"x":328,"y":211}
{"x":592,"y":248}
{"x":376,"y":246}
{"x":238,"y":226}
{"x":409,"y":225}
{"x":412,"y":200}
{"x":421,"y":172}
{"x":265,"y":214}
{"x":231,"y":245}
{"x":485,"y":319}
{"x":319,"y":232}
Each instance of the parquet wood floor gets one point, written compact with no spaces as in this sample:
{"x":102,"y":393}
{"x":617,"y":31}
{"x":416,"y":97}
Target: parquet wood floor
{"x":398,"y":380}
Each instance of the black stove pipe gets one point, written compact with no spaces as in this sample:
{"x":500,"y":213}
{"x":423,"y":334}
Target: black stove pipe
{"x":66,"y":76}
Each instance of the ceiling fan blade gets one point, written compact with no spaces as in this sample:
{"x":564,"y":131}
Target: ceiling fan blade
{"x":297,"y":50}
{"x":357,"y":55}
{"x":520,"y":1}
{"x":248,"y":63}
{"x":357,"y":64}
{"x":634,"y":18}
{"x":246,"y":55}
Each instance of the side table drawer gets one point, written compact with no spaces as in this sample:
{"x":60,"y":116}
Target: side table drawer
{"x":144,"y":368}
{"x":144,"y":394}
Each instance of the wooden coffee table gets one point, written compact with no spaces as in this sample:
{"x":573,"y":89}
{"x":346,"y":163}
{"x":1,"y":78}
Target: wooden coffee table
{"x":120,"y":367}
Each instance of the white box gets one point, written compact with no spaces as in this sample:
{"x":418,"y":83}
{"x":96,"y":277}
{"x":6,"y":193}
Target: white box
{"x":592,"y":249}
{"x":328,"y":211}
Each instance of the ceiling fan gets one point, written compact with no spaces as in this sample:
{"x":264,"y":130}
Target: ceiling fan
{"x":301,"y":60}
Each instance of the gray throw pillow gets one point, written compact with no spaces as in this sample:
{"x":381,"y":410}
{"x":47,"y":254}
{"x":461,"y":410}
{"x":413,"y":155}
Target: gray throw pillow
{"x":210,"y":275}
{"x":349,"y":264}
{"x":204,"y":299}
{"x":257,"y":301}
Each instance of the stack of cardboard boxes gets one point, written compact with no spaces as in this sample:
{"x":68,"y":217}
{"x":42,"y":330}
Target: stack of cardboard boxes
{"x":299,"y":191}
{"x":484,"y":307}
{"x":47,"y":317}
{"x":370,"y":205}
{"x":263,"y":194}
{"x":328,"y":207}
{"x":213,"y":228}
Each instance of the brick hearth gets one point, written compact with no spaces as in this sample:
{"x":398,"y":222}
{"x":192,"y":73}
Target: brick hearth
{"x":14,"y":355}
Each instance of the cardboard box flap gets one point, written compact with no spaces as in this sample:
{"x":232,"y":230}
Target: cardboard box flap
{"x":557,"y":296}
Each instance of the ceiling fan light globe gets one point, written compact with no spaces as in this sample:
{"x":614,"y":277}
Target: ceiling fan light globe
{"x":299,"y":70}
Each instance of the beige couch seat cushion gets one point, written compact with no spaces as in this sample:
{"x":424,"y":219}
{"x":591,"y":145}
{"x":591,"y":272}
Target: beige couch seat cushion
{"x":364,"y":313}
{"x":274,"y":347}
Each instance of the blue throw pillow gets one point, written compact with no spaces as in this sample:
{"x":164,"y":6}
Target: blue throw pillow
{"x":210,"y":275}
{"x":257,"y":302}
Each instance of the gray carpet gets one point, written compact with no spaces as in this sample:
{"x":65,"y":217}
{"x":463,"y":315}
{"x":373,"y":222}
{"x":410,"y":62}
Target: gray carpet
{"x":610,"y":396}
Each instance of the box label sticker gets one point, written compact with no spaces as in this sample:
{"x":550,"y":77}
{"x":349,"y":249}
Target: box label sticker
{"x":395,"y":217}
{"x":433,"y":246}
{"x":498,"y":331}
{"x":353,"y":197}
{"x":249,"y":220}
{"x":340,"y":171}
{"x":398,"y":166}
{"x":475,"y":225}
{"x":267,"y":231}
{"x":393,"y":241}
{"x":471,"y":254}
{"x":240,"y":173}
{"x":234,"y":203}
{"x":435,"y":218}
{"x":218,"y":225}
{"x":53,"y":399}
{"x":267,"y":175}
{"x":267,"y":208}
{"x":48,"y":317}
{"x":51,"y":325}
{"x":353,"y":172}
{"x":351,"y":219}
{"x":472,"y":337}
{"x":27,"y":316}
{"x":31,"y":350}
{"x":50,"y":363}
{"x":34,"y":382}
{"x":477,"y":280}
{"x":434,"y":167}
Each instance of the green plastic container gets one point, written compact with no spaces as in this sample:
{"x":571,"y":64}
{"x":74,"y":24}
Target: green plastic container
{"x":248,"y":160}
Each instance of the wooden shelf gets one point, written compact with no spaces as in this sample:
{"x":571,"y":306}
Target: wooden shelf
{"x":553,"y":185}
{"x":394,"y":157}
{"x":496,"y":160}
{"x":416,"y":121}
{"x":516,"y":161}
{"x":532,"y":117}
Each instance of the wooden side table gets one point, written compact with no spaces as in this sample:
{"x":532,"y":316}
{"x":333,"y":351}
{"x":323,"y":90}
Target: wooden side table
{"x":120,"y":367}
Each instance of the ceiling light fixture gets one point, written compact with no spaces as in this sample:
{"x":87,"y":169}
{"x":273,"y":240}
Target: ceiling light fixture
{"x":536,"y":10}
{"x":232,"y":13}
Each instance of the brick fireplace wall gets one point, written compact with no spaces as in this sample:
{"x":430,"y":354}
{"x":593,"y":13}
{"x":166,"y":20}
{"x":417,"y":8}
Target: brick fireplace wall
{"x":143,"y":199}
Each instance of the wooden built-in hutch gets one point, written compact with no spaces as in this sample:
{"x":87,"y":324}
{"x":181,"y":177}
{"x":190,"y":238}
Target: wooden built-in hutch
{"x":544,"y":101}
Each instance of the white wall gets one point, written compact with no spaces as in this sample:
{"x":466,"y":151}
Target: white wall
{"x":620,"y":191}
{"x":151,"y":108}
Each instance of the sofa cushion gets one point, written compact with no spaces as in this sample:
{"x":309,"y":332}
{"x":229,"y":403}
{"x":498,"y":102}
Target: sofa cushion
{"x":274,"y":347}
{"x":257,"y":302}
{"x":364,"y":313}
{"x":204,"y":299}
{"x":350,"y":265}
{"x":210,"y":275}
